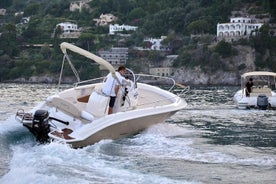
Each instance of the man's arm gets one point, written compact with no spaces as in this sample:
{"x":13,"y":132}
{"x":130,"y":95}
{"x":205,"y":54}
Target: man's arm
{"x":117,"y":89}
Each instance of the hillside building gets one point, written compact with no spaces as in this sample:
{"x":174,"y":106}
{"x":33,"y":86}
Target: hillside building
{"x":119,"y":28}
{"x":69,"y":30}
{"x":156,"y":44}
{"x":25,"y":20}
{"x":79,"y":5}
{"x":105,"y":19}
{"x":161,"y":71}
{"x":116,"y":56}
{"x":239,"y":27}
{"x":2,"y":11}
{"x":18,"y":13}
{"x":164,"y":68}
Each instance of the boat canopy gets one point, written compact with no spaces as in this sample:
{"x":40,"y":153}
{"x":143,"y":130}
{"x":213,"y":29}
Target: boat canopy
{"x":99,"y":60}
{"x":269,"y":78}
{"x":258,"y":73}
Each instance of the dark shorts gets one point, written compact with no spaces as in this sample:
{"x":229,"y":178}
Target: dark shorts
{"x":112,"y":101}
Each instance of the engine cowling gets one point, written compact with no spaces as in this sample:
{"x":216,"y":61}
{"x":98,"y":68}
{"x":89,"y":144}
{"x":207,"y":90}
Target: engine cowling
{"x":40,"y":126}
{"x":262,"y":102}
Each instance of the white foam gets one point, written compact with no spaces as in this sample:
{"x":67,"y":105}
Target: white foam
{"x":171,"y":142}
{"x":58,"y":163}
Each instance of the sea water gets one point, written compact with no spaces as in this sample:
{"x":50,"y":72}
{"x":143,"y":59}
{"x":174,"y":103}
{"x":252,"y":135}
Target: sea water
{"x":208,"y":142}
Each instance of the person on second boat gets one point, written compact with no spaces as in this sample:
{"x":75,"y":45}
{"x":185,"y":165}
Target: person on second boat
{"x":112,"y":85}
{"x":248,"y":87}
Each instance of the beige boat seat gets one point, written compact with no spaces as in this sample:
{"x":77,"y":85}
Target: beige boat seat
{"x":64,"y":105}
{"x":261,"y":90}
{"x":97,"y":104}
{"x":68,"y":107}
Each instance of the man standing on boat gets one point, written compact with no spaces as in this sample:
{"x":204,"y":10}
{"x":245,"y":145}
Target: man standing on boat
{"x":248,"y":87}
{"x":112,"y":85}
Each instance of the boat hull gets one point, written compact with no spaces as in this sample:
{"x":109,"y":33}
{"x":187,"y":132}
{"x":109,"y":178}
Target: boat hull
{"x":243,"y":102}
{"x":121,"y":129}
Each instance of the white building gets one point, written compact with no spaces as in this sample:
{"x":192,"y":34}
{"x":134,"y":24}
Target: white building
{"x":239,"y":27}
{"x":68,"y":27}
{"x":118,"y":28}
{"x":69,"y":30}
{"x":18,"y":13}
{"x":155,"y":43}
{"x":25,"y":20}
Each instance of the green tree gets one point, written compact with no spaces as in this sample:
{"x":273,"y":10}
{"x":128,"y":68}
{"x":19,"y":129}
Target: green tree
{"x":136,"y":15}
{"x":8,"y":41}
{"x":6,"y":65}
{"x":32,"y":9}
{"x":46,"y":52}
{"x":224,"y":49}
{"x":57,"y":33}
{"x":173,"y":41}
{"x":32,"y":32}
{"x":165,"y":21}
{"x":185,"y":58}
{"x":17,"y":4}
{"x":262,"y":40}
{"x":5,"y":3}
{"x":199,"y":27}
{"x":86,"y":41}
{"x":56,"y":8}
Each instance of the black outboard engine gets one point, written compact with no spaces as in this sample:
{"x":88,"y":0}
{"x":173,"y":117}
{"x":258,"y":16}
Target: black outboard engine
{"x":40,"y":127}
{"x":262,"y":102}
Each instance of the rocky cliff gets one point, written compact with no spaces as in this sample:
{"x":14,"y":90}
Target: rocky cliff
{"x":237,"y":65}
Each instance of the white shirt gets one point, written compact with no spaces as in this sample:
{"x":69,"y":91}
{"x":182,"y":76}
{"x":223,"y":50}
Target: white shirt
{"x":111,"y":82}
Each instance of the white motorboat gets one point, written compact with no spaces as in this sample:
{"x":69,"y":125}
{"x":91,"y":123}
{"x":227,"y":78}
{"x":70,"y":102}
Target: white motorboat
{"x":262,"y":96}
{"x":78,"y":115}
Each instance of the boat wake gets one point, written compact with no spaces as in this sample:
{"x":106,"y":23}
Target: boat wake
{"x":126,"y":159}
